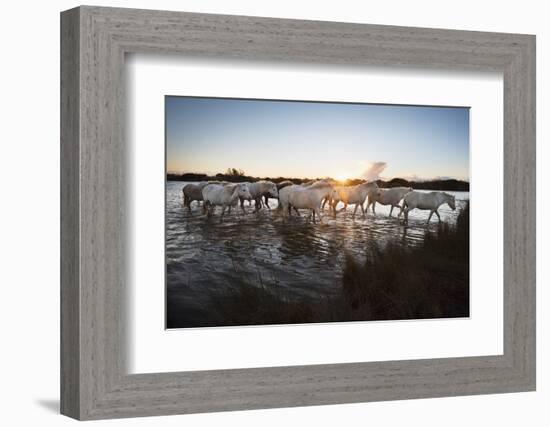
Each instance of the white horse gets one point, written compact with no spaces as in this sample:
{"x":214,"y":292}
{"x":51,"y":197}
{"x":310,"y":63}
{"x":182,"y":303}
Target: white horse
{"x":241,"y":199}
{"x":224,"y":196}
{"x":319,"y":182}
{"x":284,"y":194}
{"x":388,"y":196}
{"x":352,"y":195}
{"x":260,"y":189}
{"x":309,"y":197}
{"x":426,"y":201}
{"x":280,"y":186}
{"x":192,"y":192}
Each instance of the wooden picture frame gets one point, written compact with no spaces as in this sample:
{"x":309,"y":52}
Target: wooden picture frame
{"x":94,"y":41}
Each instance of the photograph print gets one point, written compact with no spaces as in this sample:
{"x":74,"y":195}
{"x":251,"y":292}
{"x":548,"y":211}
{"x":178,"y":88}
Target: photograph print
{"x":293,"y":212}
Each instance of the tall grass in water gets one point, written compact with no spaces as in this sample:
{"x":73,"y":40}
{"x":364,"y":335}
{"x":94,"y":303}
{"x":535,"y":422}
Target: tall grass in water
{"x":427,"y":281}
{"x":393,"y":282}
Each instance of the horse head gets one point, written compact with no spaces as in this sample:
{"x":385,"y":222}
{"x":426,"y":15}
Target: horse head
{"x":242,"y":191}
{"x":272,"y":191}
{"x":450,"y":201}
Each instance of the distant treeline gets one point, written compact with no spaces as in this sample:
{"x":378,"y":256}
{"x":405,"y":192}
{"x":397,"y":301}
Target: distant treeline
{"x":436,"y":184}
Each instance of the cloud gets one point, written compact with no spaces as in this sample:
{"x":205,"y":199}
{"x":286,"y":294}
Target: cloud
{"x":374,"y":170}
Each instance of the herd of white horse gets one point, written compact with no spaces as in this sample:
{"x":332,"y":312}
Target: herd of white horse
{"x":312,"y":196}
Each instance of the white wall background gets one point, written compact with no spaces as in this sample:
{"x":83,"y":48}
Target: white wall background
{"x":29,"y":212}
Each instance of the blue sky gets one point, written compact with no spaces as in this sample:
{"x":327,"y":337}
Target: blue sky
{"x":310,"y":139}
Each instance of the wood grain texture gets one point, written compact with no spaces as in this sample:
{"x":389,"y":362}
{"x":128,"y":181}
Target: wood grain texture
{"x":70,"y":334}
{"x":94,"y":271}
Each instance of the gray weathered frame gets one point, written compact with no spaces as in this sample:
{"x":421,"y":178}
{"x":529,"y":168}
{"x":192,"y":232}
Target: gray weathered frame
{"x":94,"y":41}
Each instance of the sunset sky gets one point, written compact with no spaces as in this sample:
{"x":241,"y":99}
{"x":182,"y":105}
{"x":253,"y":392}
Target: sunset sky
{"x":312,"y":139}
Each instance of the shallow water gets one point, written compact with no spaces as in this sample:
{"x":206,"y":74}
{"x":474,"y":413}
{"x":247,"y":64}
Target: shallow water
{"x":204,"y":255}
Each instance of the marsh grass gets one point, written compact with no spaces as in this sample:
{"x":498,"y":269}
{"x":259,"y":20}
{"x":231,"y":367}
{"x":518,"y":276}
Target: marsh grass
{"x":427,"y":281}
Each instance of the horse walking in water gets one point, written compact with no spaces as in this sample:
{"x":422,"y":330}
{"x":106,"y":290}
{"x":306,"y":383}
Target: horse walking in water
{"x":308,"y":197}
{"x":426,"y":201}
{"x":389,"y":196}
{"x":193,"y":192}
{"x":261,"y":189}
{"x":284,"y":194}
{"x":280,"y":186}
{"x":224,"y":196}
{"x":354,"y":195}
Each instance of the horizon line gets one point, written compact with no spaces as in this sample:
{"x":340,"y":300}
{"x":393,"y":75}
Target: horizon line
{"x":381,"y":178}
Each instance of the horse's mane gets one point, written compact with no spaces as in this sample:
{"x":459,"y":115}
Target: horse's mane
{"x":320,"y":184}
{"x":284,"y":184}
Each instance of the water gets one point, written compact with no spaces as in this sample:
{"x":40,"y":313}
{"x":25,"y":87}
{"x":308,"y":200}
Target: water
{"x":305,"y":259}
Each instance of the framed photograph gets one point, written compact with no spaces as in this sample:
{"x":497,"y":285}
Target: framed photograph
{"x":256,"y":263}
{"x":263,"y":213}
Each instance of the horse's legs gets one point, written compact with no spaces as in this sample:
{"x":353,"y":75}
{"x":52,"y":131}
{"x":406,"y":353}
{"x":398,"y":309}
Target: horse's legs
{"x":317,"y":209}
{"x":401,"y":210}
{"x":373,"y":205}
{"x":267,"y":202}
{"x":333,"y":203}
{"x":345,"y":207}
{"x":296,"y":211}
{"x":438,"y":217}
{"x":284,"y":210}
{"x":355,"y":210}
{"x":363,"y":209}
{"x":391,"y":210}
{"x":430,"y":217}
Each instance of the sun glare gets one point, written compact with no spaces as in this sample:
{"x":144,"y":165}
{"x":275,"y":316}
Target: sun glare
{"x":342,"y":177}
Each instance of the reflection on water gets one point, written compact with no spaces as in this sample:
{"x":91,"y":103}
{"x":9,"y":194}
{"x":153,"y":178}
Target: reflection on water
{"x":305,"y":258}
